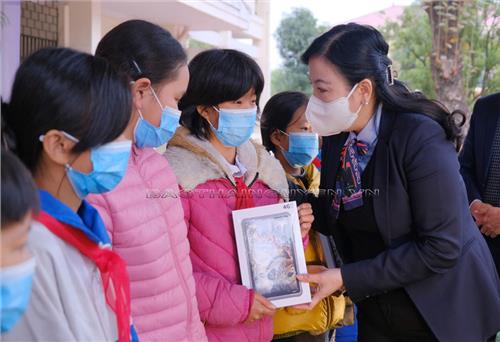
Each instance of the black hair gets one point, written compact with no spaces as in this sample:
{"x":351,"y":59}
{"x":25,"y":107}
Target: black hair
{"x":66,"y":90}
{"x":359,"y":52}
{"x":217,"y":76}
{"x":278,"y":114}
{"x":139,"y":48}
{"x":19,"y":194}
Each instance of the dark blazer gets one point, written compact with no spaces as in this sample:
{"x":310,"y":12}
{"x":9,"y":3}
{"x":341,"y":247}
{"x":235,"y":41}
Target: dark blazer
{"x":434,"y":250}
{"x":475,"y":155}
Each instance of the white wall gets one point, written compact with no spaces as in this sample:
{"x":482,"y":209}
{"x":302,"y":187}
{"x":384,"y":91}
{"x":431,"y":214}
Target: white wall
{"x":81,"y":25}
{"x":10,"y":45}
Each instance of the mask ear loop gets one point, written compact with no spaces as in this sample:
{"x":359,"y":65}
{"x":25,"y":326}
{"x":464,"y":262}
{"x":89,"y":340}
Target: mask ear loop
{"x":288,"y":135}
{"x":218,"y":111}
{"x":285,"y":133}
{"x":140,"y":114}
{"x":139,"y":111}
{"x":156,"y":98}
{"x":352,"y":90}
{"x":349,"y":95}
{"x":138,"y":69}
{"x":132,"y":83}
{"x":67,"y":166}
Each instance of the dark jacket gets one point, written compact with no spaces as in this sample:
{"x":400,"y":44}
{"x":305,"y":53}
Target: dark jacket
{"x":475,"y":155}
{"x":434,"y":249}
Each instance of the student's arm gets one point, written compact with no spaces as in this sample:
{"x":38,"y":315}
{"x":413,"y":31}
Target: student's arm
{"x":219,"y":302}
{"x":468,"y":159}
{"x":437,"y":198}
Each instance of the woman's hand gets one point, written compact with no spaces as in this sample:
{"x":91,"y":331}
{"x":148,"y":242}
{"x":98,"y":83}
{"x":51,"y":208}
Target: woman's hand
{"x":491,"y":222}
{"x":487,"y":218}
{"x":479,"y":210}
{"x":325,"y":281}
{"x":260,"y":307}
{"x":306,"y":218}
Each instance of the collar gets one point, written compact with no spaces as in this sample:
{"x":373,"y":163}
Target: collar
{"x":86,"y":219}
{"x":301,"y":174}
{"x":238,"y":169}
{"x":369,"y":134}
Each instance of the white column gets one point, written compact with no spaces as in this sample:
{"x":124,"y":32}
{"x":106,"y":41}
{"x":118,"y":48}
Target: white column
{"x":84,"y":29}
{"x":263,"y":11}
{"x":10,"y":44}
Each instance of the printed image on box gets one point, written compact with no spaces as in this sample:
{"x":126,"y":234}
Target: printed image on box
{"x":269,"y":241}
{"x":271,"y":254}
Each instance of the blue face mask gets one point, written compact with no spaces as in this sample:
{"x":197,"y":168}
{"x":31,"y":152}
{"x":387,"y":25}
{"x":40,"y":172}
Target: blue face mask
{"x":16,"y":292}
{"x":147,"y":135}
{"x":302,"y":148}
{"x":109,"y":164}
{"x":235,"y":125}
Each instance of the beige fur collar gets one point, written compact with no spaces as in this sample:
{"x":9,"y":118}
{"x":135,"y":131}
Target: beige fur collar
{"x":196,"y":161}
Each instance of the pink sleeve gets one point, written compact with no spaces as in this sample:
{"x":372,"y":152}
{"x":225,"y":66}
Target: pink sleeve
{"x":219,"y":301}
{"x":100,"y":203}
{"x":305,"y":241}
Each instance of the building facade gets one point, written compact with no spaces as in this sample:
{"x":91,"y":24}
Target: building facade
{"x":30,"y":25}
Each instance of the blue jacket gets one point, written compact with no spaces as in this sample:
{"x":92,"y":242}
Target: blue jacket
{"x":433,"y":247}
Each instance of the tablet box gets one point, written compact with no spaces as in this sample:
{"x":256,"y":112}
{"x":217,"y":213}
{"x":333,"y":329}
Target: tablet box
{"x":271,"y":253}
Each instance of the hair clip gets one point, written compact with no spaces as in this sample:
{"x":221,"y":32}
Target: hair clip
{"x":391,"y":75}
{"x":390,"y":78}
{"x":137,"y":67}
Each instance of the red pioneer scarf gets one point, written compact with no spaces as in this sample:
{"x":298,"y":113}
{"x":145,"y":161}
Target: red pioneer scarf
{"x":244,"y":197}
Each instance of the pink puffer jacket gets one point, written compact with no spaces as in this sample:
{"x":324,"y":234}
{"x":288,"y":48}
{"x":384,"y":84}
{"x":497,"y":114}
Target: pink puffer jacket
{"x":207,"y":183}
{"x":148,"y":230}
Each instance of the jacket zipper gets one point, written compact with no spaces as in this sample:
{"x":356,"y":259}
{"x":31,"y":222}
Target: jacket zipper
{"x":254,"y":180}
{"x":261,"y":333}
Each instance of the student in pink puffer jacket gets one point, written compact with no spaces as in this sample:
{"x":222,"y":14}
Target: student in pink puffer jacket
{"x":219,"y":170}
{"x":146,"y":227}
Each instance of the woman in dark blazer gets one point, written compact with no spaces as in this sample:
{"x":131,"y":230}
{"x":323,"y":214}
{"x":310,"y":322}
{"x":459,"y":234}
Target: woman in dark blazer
{"x":394,"y":201}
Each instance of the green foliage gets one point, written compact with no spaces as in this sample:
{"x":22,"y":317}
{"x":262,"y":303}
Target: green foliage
{"x":295,"y":79}
{"x":196,"y":44}
{"x":411,"y":46}
{"x":480,"y":38}
{"x":295,"y":33}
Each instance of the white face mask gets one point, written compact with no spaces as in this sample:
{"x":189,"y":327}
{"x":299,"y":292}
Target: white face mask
{"x":330,"y":118}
